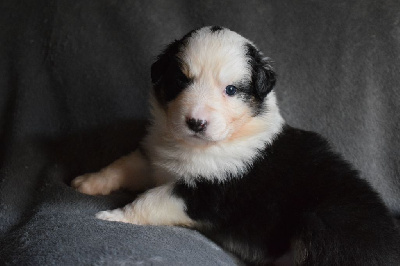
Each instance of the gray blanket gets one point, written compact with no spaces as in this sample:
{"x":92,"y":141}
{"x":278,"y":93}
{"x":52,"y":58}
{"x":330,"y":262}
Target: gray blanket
{"x":74,"y":78}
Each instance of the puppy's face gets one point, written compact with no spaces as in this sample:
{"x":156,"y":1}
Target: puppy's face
{"x":212,"y":86}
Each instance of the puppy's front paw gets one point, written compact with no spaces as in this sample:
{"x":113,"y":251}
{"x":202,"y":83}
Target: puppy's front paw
{"x":92,"y":184}
{"x":116,"y":215}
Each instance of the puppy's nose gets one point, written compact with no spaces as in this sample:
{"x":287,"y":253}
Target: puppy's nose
{"x":197,"y":125}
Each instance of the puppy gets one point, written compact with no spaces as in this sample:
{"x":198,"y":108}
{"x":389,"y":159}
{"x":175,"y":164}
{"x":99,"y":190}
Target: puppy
{"x":223,"y":161}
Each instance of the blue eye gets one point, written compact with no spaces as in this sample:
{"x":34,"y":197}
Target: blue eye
{"x":230,"y":90}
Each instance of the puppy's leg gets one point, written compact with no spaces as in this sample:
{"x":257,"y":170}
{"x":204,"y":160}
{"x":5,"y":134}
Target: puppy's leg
{"x":157,"y":206}
{"x":131,"y":172}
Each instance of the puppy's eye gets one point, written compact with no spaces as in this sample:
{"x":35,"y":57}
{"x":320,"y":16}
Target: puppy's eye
{"x":230,"y":90}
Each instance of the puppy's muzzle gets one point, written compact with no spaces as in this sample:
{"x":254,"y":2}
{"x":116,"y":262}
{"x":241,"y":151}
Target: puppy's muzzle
{"x":196,"y":125}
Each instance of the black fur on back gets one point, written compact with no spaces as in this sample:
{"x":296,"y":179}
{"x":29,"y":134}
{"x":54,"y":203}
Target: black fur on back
{"x":298,"y":195}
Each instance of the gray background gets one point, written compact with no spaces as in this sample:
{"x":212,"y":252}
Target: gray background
{"x":74,"y":78}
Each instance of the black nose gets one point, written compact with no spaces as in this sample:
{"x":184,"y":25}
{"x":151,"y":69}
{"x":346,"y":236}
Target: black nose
{"x":196,"y":125}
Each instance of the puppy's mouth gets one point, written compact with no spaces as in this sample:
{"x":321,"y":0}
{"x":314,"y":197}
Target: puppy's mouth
{"x":198,"y":138}
{"x":203,"y":139}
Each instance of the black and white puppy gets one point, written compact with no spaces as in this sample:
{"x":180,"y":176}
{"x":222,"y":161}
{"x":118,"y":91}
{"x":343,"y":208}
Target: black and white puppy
{"x":222,"y":160}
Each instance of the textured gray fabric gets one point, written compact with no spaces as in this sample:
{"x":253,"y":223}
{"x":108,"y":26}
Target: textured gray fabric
{"x":74,"y":78}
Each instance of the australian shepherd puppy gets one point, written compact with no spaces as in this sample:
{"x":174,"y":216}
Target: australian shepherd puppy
{"x":219,"y":158}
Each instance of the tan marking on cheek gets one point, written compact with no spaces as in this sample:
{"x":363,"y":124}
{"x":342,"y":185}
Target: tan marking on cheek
{"x":244,"y":126}
{"x":186,"y":71}
{"x":246,"y":130}
{"x":174,"y":115}
{"x":176,"y":107}
{"x":173,"y":108}
{"x":236,"y":121}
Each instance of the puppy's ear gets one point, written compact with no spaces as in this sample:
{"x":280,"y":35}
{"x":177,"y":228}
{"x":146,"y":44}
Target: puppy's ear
{"x":160,"y":66}
{"x":263,"y":76}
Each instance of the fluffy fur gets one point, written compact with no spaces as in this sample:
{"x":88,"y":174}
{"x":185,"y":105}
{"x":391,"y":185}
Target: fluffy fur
{"x":267,"y":192}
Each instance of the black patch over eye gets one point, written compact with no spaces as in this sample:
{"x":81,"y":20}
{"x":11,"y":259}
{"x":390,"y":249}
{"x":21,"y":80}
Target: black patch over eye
{"x":174,"y":82}
{"x":166,"y":73}
{"x":181,"y":79}
{"x":230,"y":90}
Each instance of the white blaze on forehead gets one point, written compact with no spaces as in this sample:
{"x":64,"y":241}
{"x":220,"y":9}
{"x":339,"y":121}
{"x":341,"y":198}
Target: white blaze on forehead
{"x":219,"y":57}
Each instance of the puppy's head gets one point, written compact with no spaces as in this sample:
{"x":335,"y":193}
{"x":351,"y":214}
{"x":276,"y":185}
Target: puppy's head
{"x":211,"y":86}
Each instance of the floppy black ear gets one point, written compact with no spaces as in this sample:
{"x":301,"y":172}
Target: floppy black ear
{"x":160,"y":66}
{"x":263,"y":76}
{"x":265,"y":79}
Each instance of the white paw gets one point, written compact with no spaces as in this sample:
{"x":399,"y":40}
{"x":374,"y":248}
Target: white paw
{"x":116,"y":215}
{"x":92,"y":184}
